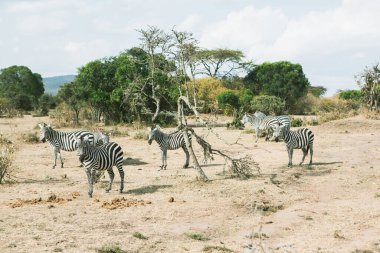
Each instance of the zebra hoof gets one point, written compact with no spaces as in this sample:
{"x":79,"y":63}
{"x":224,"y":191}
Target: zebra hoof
{"x":107,"y":191}
{"x":90,"y":195}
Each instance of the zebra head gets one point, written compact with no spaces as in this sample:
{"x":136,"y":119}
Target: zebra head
{"x":278,"y":131}
{"x":82,"y":144}
{"x":246,"y":119}
{"x":152,"y":133}
{"x":44,"y":131}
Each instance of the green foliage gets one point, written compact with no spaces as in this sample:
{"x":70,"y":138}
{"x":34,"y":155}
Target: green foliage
{"x":197,"y":236}
{"x":297,"y":122}
{"x":317,"y":91}
{"x":355,"y":95}
{"x":227,"y":98}
{"x":369,"y":82}
{"x":140,"y":236}
{"x":46,"y":102}
{"x":332,"y":108}
{"x":111,"y":248}
{"x":23,"y":86}
{"x":281,"y":79}
{"x":268,"y":104}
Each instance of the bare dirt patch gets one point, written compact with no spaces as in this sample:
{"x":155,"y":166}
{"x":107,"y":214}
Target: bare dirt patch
{"x":123,"y":203}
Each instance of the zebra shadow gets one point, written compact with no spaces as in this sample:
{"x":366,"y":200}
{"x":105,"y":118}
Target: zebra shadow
{"x":147,"y":189}
{"x":133,"y":161}
{"x":329,"y":163}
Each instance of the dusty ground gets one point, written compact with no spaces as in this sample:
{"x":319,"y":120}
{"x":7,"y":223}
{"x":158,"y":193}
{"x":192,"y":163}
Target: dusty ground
{"x":334,"y":206}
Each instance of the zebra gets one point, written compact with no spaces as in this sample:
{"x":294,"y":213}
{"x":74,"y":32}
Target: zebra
{"x":62,"y":140}
{"x":282,"y":119}
{"x":259,"y":123}
{"x":167,"y":142}
{"x":302,"y":138}
{"x":97,"y":159}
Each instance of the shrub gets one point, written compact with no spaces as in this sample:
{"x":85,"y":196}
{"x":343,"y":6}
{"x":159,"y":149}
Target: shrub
{"x":138,"y":235}
{"x":7,"y":151}
{"x":228,"y":101}
{"x":268,"y":104}
{"x":111,"y":248}
{"x":355,"y":95}
{"x":297,"y":122}
{"x":197,"y":236}
{"x":30,"y":138}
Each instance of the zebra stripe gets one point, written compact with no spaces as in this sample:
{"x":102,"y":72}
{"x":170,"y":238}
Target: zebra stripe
{"x":61,"y":140}
{"x":282,"y":119}
{"x":98,"y":159}
{"x":167,"y":142}
{"x":302,"y":138}
{"x":266,"y":123}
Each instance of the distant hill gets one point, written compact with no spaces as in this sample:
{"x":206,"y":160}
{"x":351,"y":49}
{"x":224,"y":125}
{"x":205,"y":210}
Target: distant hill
{"x":53,"y":83}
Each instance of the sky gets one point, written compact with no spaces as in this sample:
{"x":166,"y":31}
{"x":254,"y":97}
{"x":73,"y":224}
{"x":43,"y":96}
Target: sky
{"x":333,"y":40}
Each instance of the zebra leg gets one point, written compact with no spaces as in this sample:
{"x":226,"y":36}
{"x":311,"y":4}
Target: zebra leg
{"x":90,"y":179}
{"x":311,"y":153}
{"x":54,"y":158}
{"x":165,"y":158}
{"x":257,"y":134}
{"x":266,"y":135}
{"x":121,"y":173}
{"x":290,"y":155}
{"x":60,"y":157}
{"x":162,"y":160}
{"x":112,"y":176}
{"x":304,"y":151}
{"x":187,"y":157}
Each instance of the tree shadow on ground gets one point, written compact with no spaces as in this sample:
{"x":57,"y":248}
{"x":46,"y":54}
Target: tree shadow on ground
{"x":147,"y":189}
{"x":133,"y":161}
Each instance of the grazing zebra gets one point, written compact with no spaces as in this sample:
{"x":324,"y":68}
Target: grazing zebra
{"x":168,"y":142}
{"x":302,"y":138}
{"x":97,"y":159}
{"x":282,"y":119}
{"x":61,"y":140}
{"x":259,"y":123}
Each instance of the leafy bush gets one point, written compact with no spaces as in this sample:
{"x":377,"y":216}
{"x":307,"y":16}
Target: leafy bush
{"x":355,"y":95}
{"x":7,"y":151}
{"x":228,"y":101}
{"x":268,"y":104}
{"x":111,"y":248}
{"x":297,"y":122}
{"x":334,"y":108}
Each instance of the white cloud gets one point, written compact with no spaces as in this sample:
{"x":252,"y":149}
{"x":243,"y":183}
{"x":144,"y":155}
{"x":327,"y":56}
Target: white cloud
{"x":191,"y":23}
{"x":245,"y":29}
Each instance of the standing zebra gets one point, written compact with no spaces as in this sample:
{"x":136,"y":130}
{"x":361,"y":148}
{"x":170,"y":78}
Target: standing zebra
{"x":167,"y":142}
{"x":61,"y":140}
{"x":97,"y":159}
{"x":302,"y":138}
{"x":259,"y":123}
{"x":282,"y":119}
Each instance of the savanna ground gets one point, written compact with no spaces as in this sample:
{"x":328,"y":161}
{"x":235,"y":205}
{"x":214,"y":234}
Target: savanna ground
{"x":332,"y":206}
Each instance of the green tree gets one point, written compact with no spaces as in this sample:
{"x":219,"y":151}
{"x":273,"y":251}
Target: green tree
{"x":270,"y":105}
{"x":228,"y":101}
{"x":355,"y":95}
{"x":281,"y":79}
{"x":71,"y":94}
{"x":317,"y":91}
{"x":369,"y":82}
{"x":221,"y":62}
{"x":46,"y":102}
{"x":22,"y":85}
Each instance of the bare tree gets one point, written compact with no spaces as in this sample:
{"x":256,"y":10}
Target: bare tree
{"x":186,"y":47}
{"x":154,"y":41}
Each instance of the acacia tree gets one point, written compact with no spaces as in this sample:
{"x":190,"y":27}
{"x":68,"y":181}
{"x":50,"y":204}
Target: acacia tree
{"x":221,"y":63}
{"x":71,"y":95}
{"x":369,"y":82}
{"x":155,"y":42}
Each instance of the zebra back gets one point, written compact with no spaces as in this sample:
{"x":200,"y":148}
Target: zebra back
{"x":282,"y":119}
{"x":63,"y":140}
{"x":170,"y":141}
{"x":260,"y":122}
{"x":300,"y":138}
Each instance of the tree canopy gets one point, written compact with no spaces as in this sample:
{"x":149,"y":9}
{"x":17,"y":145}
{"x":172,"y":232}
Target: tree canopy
{"x":21,"y":85}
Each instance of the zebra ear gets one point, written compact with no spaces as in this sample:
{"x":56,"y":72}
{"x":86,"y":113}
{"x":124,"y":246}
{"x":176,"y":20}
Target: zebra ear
{"x":158,"y":127}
